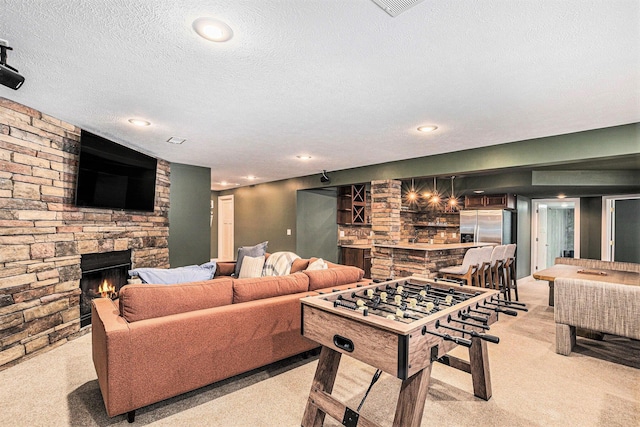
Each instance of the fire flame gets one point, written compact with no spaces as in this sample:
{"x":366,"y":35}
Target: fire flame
{"x":106,"y":289}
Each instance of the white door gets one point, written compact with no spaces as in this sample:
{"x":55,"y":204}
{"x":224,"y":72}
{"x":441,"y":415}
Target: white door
{"x":555,"y":231}
{"x":225,"y":229}
{"x":540,"y":239}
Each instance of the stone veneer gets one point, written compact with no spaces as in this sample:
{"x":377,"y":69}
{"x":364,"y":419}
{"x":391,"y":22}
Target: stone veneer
{"x":43,"y":235}
{"x":386,"y":202}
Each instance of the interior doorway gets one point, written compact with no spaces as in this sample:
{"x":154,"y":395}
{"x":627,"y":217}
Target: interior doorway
{"x":226,"y":244}
{"x":622,"y":228}
{"x":554,"y":231}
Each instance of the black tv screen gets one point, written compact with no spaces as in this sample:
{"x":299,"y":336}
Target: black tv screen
{"x":113,"y":176}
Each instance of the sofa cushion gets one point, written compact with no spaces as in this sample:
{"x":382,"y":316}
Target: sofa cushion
{"x":299,"y":265}
{"x":254,"y":251}
{"x":333,"y":276}
{"x":268,"y":286}
{"x":146,"y":301}
{"x":251,"y":267}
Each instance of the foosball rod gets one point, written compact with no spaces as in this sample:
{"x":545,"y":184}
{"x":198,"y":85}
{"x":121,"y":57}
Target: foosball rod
{"x":438,"y":293}
{"x":428,"y":287}
{"x":462,"y":322}
{"x":435,"y":301}
{"x":491,"y":338}
{"x":376,"y":303}
{"x":511,"y":303}
{"x":458,"y":340}
{"x":431,"y":296}
{"x":465,"y":316}
{"x":498,"y":309}
{"x":513,"y":307}
{"x":404,"y":315}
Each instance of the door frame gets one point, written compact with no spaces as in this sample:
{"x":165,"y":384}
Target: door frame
{"x":534,"y":226}
{"x":221,"y":219}
{"x":608,"y":248}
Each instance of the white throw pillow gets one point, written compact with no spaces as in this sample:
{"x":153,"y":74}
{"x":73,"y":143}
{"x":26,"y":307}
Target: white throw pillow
{"x":251,"y":266}
{"x":318,"y":264}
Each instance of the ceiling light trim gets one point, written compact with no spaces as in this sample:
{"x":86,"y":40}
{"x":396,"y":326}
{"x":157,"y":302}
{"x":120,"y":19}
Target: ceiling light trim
{"x":212,"y":29}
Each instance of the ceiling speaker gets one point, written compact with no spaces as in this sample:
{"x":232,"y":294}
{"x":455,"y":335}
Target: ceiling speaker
{"x":396,"y":7}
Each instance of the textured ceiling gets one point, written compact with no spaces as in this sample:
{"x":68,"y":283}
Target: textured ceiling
{"x":341,"y":81}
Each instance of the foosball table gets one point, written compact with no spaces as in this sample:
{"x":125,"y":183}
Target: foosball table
{"x":399,"y":327}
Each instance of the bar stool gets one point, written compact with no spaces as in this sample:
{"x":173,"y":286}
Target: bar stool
{"x":495,"y":269}
{"x":484,"y":263}
{"x":510,"y":270}
{"x":466,"y":271}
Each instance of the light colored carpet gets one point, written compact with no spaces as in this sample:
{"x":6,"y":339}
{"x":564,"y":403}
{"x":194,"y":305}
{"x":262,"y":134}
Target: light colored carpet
{"x":598,"y":384}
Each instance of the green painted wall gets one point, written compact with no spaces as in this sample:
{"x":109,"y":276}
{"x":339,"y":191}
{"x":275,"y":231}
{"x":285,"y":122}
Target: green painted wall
{"x":189,"y":229}
{"x":265,"y":211}
{"x":590,"y":227}
{"x":523,"y":233}
{"x":627,"y":230}
{"x":317,"y":230}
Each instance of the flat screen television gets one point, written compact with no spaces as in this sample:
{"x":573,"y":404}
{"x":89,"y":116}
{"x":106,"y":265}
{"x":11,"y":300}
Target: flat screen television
{"x":113,"y":176}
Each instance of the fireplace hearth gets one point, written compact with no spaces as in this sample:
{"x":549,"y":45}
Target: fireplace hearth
{"x":103,"y":274}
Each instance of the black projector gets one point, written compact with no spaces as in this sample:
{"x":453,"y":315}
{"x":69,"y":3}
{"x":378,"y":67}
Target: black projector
{"x":9,"y":77}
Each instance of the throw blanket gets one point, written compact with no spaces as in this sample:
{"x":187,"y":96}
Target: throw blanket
{"x":170,"y":276}
{"x":279,"y":264}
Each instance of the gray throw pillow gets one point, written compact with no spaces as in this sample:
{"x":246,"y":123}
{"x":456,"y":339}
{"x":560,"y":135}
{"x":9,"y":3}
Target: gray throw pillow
{"x":252,"y":251}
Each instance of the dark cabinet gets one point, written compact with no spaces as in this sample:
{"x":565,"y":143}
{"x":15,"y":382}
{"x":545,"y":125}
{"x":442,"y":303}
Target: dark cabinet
{"x":490,"y":201}
{"x":357,"y":257}
{"x":352,"y":205}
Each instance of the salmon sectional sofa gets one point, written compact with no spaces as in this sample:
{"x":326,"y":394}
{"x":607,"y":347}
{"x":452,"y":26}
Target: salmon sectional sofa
{"x":159,"y":341}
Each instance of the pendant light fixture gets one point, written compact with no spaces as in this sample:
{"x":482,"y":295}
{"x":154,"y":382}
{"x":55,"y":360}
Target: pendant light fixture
{"x":452,"y":202}
{"x":412,"y":195}
{"x":435,"y":195}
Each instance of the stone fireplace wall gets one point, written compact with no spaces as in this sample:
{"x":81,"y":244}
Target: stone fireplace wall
{"x":43,"y":235}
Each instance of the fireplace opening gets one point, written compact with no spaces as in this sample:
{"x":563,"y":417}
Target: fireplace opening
{"x":103,"y":274}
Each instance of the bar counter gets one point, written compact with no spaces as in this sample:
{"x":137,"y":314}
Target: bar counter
{"x":434,"y":246}
{"x":405,"y":259}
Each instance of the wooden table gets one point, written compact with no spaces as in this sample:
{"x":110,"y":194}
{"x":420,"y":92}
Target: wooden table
{"x":574,"y":272}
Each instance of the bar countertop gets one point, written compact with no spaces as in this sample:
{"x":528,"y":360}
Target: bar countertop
{"x":434,"y":247}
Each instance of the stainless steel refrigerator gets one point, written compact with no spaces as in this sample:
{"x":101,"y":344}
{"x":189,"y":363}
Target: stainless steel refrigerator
{"x":490,"y":226}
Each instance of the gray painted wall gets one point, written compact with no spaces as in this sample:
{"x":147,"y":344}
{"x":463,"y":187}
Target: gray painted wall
{"x":317,"y":231}
{"x":189,"y":230}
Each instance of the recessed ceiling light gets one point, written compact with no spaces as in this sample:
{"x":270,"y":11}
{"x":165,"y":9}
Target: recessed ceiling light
{"x":427,"y":128}
{"x":212,"y":29}
{"x":303,"y":157}
{"x":139,"y":122}
{"x":478,"y":191}
{"x":251,"y":177}
{"x":225,"y":183}
{"x":176,"y":140}
{"x":561,"y":196}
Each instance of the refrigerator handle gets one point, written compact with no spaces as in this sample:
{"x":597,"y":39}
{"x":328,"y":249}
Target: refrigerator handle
{"x":476,"y":231}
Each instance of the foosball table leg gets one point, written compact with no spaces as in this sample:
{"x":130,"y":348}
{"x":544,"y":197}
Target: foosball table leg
{"x":323,"y":381}
{"x":479,"y":365}
{"x":413,"y":394}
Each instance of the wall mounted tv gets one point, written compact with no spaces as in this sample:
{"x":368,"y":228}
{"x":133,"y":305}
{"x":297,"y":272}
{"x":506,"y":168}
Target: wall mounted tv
{"x":113,"y":176}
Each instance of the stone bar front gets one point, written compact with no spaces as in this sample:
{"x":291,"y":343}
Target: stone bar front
{"x":406,"y":259}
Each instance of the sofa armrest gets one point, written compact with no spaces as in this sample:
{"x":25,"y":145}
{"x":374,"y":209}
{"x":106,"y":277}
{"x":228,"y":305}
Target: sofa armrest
{"x":110,"y":349}
{"x":225,"y":268}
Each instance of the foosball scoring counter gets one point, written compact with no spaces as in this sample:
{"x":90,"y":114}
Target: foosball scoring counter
{"x":400,"y":327}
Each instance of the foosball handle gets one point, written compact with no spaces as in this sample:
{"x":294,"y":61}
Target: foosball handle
{"x":507,"y":312}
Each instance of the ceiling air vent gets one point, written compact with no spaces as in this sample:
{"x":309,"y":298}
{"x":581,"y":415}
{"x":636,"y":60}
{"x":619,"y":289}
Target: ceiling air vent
{"x":396,"y":7}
